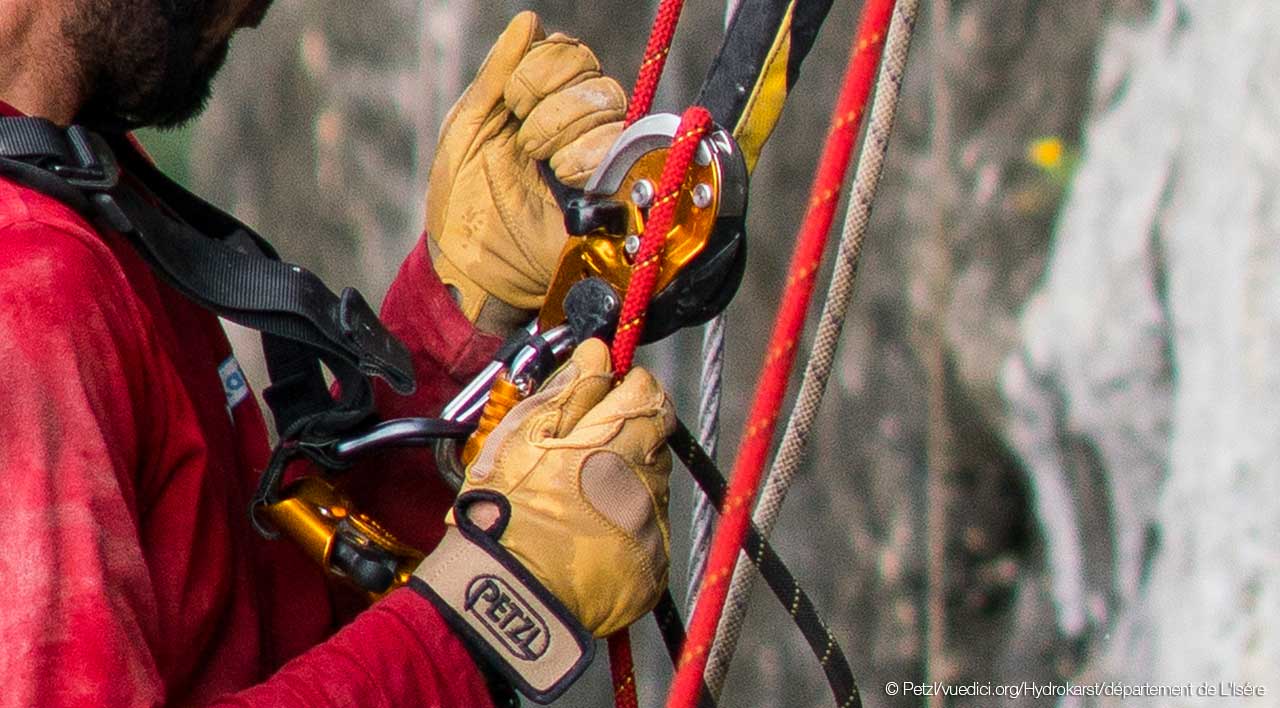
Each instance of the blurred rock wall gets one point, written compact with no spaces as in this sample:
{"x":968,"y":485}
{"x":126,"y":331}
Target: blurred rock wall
{"x":1145,"y":393}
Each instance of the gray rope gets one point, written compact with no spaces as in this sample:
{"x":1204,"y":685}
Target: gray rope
{"x":818,"y":369}
{"x":704,"y":512}
{"x":703,"y":523}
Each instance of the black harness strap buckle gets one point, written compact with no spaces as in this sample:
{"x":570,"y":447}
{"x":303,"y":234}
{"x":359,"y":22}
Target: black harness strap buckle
{"x":95,"y":168}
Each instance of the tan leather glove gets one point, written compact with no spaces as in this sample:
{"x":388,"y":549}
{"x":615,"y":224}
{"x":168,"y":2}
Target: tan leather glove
{"x":496,"y":231}
{"x":572,"y":489}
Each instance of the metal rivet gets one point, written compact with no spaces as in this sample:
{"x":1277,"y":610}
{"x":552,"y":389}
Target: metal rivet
{"x":632,"y":244}
{"x":702,"y":195}
{"x":703,"y":155}
{"x":721,"y":141}
{"x":642,"y":193}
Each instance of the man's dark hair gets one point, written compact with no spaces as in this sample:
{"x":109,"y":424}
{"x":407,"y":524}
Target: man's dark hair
{"x":142,"y":62}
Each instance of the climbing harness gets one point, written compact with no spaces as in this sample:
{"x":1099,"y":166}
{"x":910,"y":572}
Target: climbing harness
{"x":222,"y":265}
{"x":227,"y":268}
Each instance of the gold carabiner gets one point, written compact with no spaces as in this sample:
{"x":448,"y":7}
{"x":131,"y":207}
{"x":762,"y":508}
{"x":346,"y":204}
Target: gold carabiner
{"x":346,"y":543}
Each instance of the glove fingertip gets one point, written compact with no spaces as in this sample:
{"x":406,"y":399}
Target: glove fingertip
{"x":530,"y":24}
{"x":592,"y":357}
{"x":576,"y":179}
{"x":574,"y":163}
{"x":643,"y":381}
{"x":644,"y":390}
{"x":558,"y":38}
{"x":668,"y":415}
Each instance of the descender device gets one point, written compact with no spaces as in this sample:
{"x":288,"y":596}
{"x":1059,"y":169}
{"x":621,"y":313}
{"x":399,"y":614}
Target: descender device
{"x":702,"y":266}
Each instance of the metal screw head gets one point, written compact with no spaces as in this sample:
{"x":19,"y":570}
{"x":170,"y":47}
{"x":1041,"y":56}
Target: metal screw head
{"x":524,"y":384}
{"x":642,"y":193}
{"x":702,"y":195}
{"x":632,"y":244}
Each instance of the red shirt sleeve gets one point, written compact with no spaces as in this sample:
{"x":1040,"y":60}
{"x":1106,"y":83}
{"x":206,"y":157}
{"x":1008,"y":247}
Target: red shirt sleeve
{"x":447,"y":350}
{"x":397,"y":653}
{"x":401,"y":488}
{"x":92,"y":434}
{"x":79,"y":609}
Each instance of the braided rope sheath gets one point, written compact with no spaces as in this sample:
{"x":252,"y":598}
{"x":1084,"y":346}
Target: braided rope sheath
{"x":622,"y":670}
{"x":709,"y":393}
{"x":621,"y":665}
{"x":694,"y":124}
{"x":702,"y":523}
{"x":818,"y":369}
{"x":655,"y":58}
{"x":788,"y":592}
{"x":756,"y":439}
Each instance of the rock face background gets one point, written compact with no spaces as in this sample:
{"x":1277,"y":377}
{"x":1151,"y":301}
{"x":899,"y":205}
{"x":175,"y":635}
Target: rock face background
{"x":1145,"y":388}
{"x":1048,"y":453}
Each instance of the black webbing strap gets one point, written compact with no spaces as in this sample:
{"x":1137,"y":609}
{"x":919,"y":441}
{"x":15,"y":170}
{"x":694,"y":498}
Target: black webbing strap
{"x":66,"y":165}
{"x":221,"y":264}
{"x":785,"y":588}
{"x":261,"y":293}
{"x":32,"y":140}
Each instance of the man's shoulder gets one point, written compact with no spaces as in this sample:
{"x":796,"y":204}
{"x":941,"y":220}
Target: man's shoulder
{"x":49,"y":254}
{"x":35,"y":227}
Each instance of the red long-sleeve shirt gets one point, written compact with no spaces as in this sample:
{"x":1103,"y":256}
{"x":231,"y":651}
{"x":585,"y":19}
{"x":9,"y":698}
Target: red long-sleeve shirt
{"x":130,"y":574}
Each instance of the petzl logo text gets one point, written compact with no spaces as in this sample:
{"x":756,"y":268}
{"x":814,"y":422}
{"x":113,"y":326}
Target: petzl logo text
{"x":507,"y":617}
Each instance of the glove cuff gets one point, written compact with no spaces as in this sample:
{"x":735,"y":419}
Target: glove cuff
{"x":470,"y":295}
{"x":488,"y":312}
{"x":501,"y":610}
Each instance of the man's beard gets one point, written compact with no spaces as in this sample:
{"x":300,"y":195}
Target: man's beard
{"x":141,"y":64}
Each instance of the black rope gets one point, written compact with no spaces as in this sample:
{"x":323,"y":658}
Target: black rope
{"x":667,"y":616}
{"x":792,"y":597}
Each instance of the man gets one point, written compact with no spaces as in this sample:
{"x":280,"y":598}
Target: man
{"x":131,"y":574}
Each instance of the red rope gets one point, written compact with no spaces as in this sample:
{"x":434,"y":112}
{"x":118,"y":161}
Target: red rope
{"x":694,"y":124}
{"x":655,"y":57}
{"x":622,"y":670}
{"x":644,"y":275}
{"x":762,"y":421}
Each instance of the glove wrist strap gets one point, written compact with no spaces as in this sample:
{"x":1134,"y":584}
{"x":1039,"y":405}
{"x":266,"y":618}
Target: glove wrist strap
{"x":504,"y":613}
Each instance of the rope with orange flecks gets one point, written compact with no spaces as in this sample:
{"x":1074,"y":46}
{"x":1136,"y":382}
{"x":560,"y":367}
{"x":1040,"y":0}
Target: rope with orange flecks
{"x":822,"y":354}
{"x":621,"y":664}
{"x":694,"y":124}
{"x":655,"y":58}
{"x":749,"y":466}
